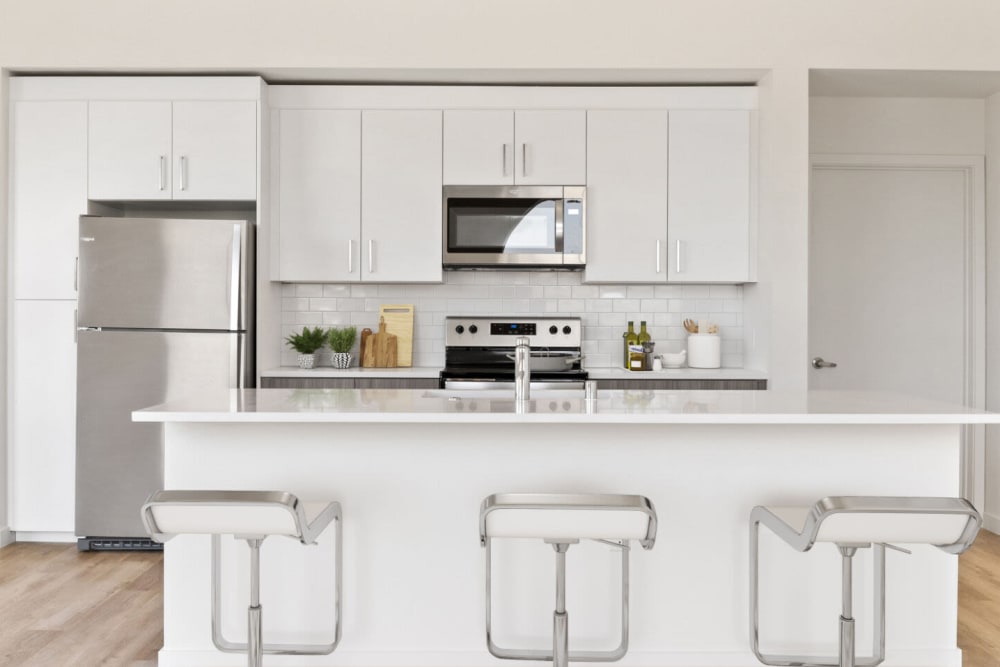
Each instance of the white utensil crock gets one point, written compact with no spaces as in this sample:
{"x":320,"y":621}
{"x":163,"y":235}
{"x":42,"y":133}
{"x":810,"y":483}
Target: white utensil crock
{"x":704,"y":351}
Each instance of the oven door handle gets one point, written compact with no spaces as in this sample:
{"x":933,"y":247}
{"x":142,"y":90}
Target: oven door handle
{"x":471,"y":383}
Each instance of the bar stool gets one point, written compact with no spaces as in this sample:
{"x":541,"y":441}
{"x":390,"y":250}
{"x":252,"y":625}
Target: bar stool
{"x":563,"y":520}
{"x":250,"y":516}
{"x":852,"y":523}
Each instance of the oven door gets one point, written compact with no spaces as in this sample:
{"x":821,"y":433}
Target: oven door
{"x":502,"y":225}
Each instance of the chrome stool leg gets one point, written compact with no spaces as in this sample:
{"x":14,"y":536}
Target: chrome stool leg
{"x":255,"y":633}
{"x":560,"y":619}
{"x":847,"y":647}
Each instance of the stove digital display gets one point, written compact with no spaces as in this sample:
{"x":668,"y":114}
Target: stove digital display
{"x":512,"y":328}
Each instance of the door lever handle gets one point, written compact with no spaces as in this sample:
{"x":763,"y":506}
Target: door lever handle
{"x":819,"y":363}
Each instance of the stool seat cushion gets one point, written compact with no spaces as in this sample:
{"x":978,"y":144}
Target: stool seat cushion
{"x":569,"y":516}
{"x":241,"y":513}
{"x":876,"y":527}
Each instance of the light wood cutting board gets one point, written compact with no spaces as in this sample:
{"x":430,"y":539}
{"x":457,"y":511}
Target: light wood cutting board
{"x":399,"y":322}
{"x":380,"y":350}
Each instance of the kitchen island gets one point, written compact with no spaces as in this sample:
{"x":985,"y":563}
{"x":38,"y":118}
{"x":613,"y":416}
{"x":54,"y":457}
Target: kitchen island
{"x":411,"y":467}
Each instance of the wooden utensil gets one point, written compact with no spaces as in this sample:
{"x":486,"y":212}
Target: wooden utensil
{"x":691,"y":326}
{"x":399,"y":322}
{"x":365,"y":333}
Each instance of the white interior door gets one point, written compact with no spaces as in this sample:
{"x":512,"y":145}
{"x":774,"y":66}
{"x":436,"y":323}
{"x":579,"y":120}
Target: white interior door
{"x":896,"y":277}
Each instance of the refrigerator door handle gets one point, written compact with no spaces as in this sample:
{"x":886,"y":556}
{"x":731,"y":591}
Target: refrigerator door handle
{"x":234,"y":281}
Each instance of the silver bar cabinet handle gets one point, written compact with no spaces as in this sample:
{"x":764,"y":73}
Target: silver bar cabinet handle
{"x":371,"y":255}
{"x":350,"y":256}
{"x":160,"y":183}
{"x":183,"y":174}
{"x":504,"y":160}
{"x":819,"y":362}
{"x":678,"y":256}
{"x":524,"y":159}
{"x":657,"y":255}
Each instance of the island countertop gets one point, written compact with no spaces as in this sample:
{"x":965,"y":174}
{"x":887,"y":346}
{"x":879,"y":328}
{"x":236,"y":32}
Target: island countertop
{"x":611,"y":407}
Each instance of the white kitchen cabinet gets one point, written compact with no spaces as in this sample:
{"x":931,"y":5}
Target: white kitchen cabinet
{"x":319,"y":195}
{"x":709,"y":203}
{"x":669,"y":196}
{"x":524,"y":147}
{"x":401,"y":225}
{"x":43,"y":416}
{"x":158,"y":150}
{"x":215,"y":150}
{"x":48,"y":194}
{"x":626,"y":196}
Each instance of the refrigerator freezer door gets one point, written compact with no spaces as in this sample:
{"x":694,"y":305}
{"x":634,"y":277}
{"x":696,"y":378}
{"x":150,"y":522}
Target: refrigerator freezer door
{"x":148,"y":273}
{"x":119,"y":462}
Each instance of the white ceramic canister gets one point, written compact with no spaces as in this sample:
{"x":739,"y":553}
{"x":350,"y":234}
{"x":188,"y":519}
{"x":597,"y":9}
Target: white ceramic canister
{"x":704,"y":351}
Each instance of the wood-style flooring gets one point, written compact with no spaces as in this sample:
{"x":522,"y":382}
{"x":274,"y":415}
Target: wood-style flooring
{"x":59,"y":607}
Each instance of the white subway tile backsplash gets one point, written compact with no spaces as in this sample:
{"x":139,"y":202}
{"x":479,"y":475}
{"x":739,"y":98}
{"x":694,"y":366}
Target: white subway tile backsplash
{"x":603,"y":309}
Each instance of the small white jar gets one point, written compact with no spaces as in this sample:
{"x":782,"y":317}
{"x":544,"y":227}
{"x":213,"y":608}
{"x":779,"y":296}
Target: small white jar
{"x":704,"y":351}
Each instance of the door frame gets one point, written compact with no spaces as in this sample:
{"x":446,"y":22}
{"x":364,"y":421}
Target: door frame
{"x":972,"y":169}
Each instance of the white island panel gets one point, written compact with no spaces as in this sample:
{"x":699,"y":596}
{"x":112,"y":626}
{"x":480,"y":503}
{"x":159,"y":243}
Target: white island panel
{"x":413,"y":577}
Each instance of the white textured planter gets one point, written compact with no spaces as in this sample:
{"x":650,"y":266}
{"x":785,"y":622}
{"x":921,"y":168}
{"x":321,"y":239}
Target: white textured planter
{"x":340,"y":359}
{"x":307,"y":361}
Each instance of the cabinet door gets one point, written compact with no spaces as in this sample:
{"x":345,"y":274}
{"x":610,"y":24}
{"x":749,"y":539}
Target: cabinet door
{"x":43,"y":416}
{"x":550,"y":147}
{"x":709,"y":196}
{"x":319,"y":196}
{"x":401,"y":196}
{"x":129,"y":150}
{"x":215,"y":150}
{"x":626,"y":196}
{"x":48,"y":194}
{"x":478,"y":147}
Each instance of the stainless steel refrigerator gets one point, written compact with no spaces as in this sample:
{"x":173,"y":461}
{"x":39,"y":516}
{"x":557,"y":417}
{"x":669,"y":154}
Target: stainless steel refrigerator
{"x":165,"y":311}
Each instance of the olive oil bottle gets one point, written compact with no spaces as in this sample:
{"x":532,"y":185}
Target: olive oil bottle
{"x":629,"y":338}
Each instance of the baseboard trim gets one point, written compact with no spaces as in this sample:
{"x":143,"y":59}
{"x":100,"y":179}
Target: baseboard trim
{"x":210,"y":658}
{"x":991,"y":522}
{"x":43,"y":536}
{"x":6,"y":537}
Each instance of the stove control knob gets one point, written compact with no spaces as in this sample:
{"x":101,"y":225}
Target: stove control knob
{"x":459,"y":329}
{"x":553,"y":329}
{"x":473,"y":329}
{"x":567,"y":330}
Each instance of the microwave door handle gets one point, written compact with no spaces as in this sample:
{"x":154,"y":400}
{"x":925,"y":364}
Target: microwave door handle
{"x":560,"y":227}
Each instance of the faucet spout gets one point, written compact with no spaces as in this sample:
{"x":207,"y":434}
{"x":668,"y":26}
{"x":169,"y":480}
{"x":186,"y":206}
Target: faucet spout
{"x":522,"y":369}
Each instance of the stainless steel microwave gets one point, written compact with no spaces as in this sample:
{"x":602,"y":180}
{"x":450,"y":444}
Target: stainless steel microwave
{"x":509,"y":226}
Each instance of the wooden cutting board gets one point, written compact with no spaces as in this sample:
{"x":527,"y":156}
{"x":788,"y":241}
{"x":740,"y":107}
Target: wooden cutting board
{"x":399,"y":322}
{"x":380,"y":350}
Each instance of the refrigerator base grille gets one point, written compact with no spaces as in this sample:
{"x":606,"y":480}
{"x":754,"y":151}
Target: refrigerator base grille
{"x":117,"y":544}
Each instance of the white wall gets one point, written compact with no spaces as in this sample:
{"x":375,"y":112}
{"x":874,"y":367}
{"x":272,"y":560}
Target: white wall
{"x":897,"y":125}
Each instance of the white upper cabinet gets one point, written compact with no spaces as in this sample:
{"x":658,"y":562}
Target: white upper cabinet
{"x":319,"y":195}
{"x":48,"y":194}
{"x":129,"y":150}
{"x":626,"y":196}
{"x":153,"y":150}
{"x":709,"y":204}
{"x":489,"y":147}
{"x":401,"y":196}
{"x":669,"y":196}
{"x":551,"y":147}
{"x":479,"y":147}
{"x":215,"y":150}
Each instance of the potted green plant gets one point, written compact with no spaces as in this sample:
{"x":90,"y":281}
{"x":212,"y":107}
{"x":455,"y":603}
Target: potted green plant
{"x":341,"y":341}
{"x":306,"y":344}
